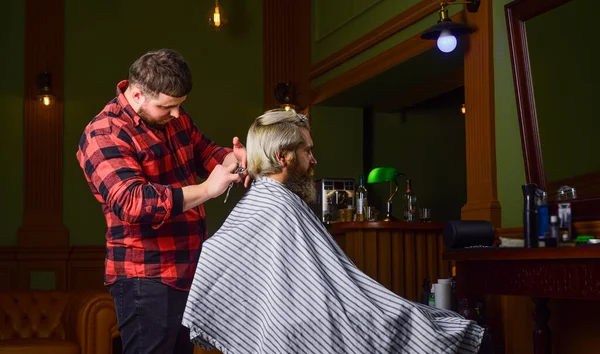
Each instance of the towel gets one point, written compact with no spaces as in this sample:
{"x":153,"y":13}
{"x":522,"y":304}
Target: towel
{"x":273,"y":280}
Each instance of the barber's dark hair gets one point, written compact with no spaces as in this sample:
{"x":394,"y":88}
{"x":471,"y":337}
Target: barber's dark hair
{"x":161,"y":71}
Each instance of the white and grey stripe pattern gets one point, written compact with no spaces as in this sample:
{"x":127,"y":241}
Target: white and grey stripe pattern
{"x":272,"y":280}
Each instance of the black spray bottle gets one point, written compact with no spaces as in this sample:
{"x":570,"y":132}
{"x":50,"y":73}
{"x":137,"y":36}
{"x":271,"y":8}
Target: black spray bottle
{"x":530,"y":217}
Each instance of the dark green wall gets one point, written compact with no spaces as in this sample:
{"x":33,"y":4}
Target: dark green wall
{"x":509,"y":153}
{"x":102,"y":41}
{"x":12,"y":66}
{"x":337,"y":134}
{"x":427,"y":143}
{"x":565,"y":80}
{"x":336,"y":23}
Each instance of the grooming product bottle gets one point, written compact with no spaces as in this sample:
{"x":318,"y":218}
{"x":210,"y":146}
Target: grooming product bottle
{"x":564,"y":222}
{"x":410,"y":203}
{"x":530,"y":215}
{"x":361,"y":199}
{"x":432,"y":296}
{"x":443,"y":294}
{"x":565,"y":194}
{"x":553,"y":238}
{"x":543,"y":217}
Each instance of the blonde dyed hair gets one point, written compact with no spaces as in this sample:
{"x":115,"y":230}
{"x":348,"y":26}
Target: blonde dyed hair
{"x":275,"y":133}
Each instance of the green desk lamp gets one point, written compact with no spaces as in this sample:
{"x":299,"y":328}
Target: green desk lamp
{"x":386,"y":174}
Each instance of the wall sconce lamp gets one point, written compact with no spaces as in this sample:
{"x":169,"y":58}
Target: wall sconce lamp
{"x":386,"y":174}
{"x":463,"y":109}
{"x":284,"y":95}
{"x":216,"y":18}
{"x":446,"y":31}
{"x":44,"y":84}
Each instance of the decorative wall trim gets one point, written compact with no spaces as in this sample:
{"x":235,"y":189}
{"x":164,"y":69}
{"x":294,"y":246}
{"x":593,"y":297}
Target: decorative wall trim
{"x":74,"y":268}
{"x":8,"y":268}
{"x":407,"y":18}
{"x":85,"y":268}
{"x":587,"y":184}
{"x":587,"y":228}
{"x":43,"y":133}
{"x":286,"y":49}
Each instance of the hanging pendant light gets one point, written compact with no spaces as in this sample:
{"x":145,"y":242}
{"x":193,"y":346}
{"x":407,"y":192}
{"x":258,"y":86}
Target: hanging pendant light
{"x":44,"y":84}
{"x":216,"y":17}
{"x":445,"y":32}
{"x":284,"y":95}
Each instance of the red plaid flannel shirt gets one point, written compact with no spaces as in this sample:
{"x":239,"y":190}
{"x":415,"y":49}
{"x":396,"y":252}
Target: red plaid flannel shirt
{"x":137,"y":173}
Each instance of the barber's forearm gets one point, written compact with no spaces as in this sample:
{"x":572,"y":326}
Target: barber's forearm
{"x":194,"y":195}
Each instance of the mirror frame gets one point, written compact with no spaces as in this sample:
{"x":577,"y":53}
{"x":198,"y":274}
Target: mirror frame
{"x":517,"y":12}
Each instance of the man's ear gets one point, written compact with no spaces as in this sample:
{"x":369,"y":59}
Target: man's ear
{"x":282,"y":158}
{"x":137,"y":95}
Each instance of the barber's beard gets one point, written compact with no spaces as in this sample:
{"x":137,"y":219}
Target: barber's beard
{"x":303,"y":184}
{"x":156,"y":123}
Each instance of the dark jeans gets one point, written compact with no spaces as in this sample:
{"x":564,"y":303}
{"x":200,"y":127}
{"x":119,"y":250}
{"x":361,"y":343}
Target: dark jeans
{"x":149,"y":315}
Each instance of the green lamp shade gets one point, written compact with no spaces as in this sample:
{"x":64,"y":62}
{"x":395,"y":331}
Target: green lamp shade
{"x":382,"y":174}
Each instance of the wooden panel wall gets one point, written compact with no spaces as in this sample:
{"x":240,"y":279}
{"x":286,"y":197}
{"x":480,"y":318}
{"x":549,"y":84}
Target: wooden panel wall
{"x":43,"y":131}
{"x":74,"y":268}
{"x":286,"y":50}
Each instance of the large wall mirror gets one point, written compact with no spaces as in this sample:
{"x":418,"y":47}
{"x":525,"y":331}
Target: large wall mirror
{"x":551,"y":43}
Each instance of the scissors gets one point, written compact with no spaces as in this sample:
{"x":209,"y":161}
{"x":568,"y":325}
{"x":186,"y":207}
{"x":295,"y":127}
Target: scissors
{"x":239,"y":170}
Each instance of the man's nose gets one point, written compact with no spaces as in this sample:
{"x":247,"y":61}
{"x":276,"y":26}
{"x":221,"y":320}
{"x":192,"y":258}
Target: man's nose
{"x":175,"y":113}
{"x":314,"y":161}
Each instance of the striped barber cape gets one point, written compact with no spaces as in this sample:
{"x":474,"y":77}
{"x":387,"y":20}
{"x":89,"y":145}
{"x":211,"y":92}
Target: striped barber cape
{"x":273,"y":280}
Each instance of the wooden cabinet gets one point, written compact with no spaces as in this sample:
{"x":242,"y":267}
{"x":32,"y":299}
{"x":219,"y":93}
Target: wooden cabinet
{"x":398,"y":255}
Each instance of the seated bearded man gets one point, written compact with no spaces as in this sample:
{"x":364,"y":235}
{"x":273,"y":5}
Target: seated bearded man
{"x":273,"y":280}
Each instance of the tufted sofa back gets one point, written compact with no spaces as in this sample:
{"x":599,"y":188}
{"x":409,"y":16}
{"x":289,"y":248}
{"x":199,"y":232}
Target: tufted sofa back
{"x":31,"y":314}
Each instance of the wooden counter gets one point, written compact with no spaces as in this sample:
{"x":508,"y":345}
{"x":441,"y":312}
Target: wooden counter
{"x":397,"y":254}
{"x":539,"y":273}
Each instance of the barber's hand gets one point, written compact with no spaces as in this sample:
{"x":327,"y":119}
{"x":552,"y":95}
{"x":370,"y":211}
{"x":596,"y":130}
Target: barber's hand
{"x":239,"y":151}
{"x":220,"y":178}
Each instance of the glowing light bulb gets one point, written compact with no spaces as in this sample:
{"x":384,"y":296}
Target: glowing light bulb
{"x":463,"y":109}
{"x":46,"y":100}
{"x":217,"y":16}
{"x":288,"y":106}
{"x":446,"y":41}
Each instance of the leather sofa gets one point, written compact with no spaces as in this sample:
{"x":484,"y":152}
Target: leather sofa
{"x":57,"y":322}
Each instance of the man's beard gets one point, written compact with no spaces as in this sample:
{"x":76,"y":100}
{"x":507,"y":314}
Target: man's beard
{"x":303,"y":184}
{"x":156,"y":123}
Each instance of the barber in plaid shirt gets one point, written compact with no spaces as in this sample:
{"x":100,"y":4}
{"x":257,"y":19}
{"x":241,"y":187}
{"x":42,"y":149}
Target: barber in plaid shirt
{"x":141,"y":156}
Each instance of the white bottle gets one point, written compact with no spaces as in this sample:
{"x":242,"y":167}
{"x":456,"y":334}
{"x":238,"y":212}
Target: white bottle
{"x":443,"y":294}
